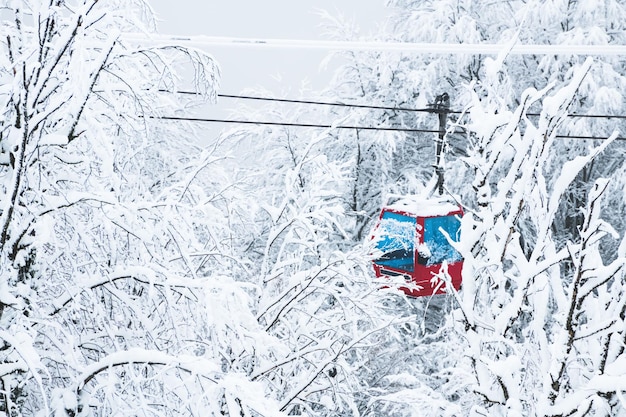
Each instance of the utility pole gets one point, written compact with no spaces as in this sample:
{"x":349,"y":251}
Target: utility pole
{"x":442,"y":108}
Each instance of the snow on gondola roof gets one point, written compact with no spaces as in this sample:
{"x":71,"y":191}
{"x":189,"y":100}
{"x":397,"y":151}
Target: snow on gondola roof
{"x":424,"y":207}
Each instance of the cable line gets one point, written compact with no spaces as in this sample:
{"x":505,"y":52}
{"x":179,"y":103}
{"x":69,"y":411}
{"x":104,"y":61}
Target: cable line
{"x":288,"y":124}
{"x":587,"y":137}
{"x":375,"y":46}
{"x":326,"y":126}
{"x":327,"y":103}
{"x":320,"y":103}
{"x":377,"y":107}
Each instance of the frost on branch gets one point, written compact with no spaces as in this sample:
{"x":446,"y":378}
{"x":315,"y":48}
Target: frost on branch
{"x":79,"y":182}
{"x":542,"y":321}
{"x":593,"y":323}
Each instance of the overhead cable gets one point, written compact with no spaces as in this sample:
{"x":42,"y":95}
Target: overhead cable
{"x":288,"y":124}
{"x":375,"y":46}
{"x":326,"y":126}
{"x":379,"y":107}
{"x":327,"y":103}
{"x":314,"y":102}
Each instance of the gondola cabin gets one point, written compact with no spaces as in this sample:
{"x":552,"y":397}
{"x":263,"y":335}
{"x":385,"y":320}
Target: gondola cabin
{"x":412,"y":240}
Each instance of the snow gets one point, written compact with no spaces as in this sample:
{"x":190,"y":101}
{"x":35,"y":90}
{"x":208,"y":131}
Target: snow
{"x":404,"y":379}
{"x":245,"y":289}
{"x":6,"y":296}
{"x":9,"y":368}
{"x":64,"y":401}
{"x":424,"y":206}
{"x":53,"y":140}
{"x":201,"y":41}
{"x":557,"y":103}
{"x":571,"y":169}
{"x":492,"y":67}
{"x":395,"y":235}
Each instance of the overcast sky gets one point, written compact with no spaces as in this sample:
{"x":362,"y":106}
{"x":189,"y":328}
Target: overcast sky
{"x":280,"y":71}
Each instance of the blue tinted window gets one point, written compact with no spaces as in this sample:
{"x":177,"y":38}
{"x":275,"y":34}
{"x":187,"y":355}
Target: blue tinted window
{"x":437,"y":245}
{"x":395,"y":238}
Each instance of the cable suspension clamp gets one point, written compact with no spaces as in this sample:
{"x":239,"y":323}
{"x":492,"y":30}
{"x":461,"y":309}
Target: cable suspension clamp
{"x":441,"y":106}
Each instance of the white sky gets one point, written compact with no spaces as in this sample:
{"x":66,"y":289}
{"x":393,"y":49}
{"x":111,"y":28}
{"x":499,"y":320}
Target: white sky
{"x":280,"y":71}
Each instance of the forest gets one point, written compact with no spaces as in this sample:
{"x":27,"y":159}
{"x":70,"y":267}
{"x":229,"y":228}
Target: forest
{"x":148,"y":269}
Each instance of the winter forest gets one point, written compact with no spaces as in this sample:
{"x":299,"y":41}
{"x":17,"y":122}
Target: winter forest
{"x":148,"y":269}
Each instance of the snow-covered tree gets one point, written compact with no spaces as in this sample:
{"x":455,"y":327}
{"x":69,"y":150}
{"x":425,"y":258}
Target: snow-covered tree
{"x":537,"y":211}
{"x":534,"y":315}
{"x":143,"y":275}
{"x":399,"y":164}
{"x":314,"y":289}
{"x":106,"y":306}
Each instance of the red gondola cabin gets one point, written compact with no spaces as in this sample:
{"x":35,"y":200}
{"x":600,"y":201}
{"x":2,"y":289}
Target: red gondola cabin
{"x":412,"y":240}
